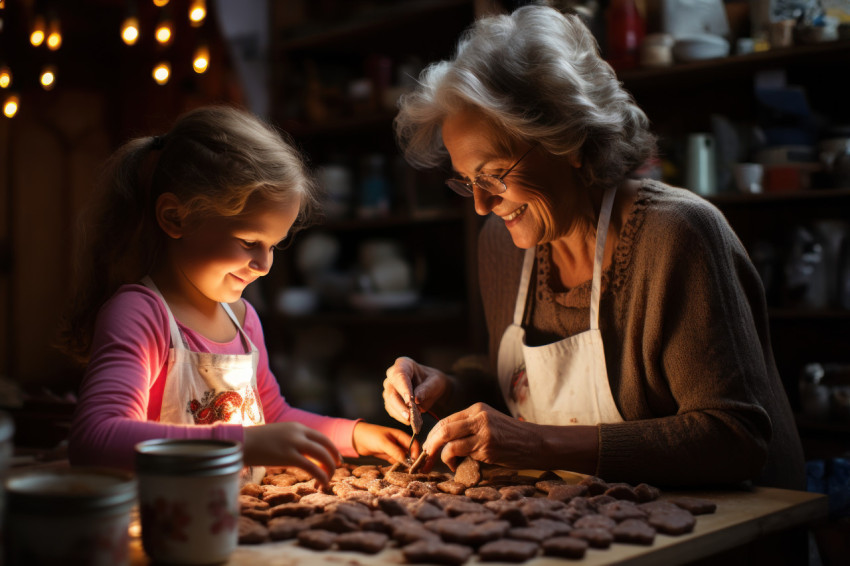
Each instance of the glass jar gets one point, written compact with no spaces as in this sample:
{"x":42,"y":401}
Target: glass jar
{"x":189,"y":499}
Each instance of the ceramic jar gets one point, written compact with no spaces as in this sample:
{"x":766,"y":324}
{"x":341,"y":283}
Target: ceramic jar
{"x":189,"y":499}
{"x":7,"y":430}
{"x":69,"y":516}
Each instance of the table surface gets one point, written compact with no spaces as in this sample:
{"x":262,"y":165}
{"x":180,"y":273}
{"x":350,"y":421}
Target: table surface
{"x":741,"y":517}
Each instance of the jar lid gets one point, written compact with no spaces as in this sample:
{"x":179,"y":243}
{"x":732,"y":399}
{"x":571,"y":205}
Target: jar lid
{"x":66,"y":491}
{"x":188,"y":457}
{"x":7,"y":426}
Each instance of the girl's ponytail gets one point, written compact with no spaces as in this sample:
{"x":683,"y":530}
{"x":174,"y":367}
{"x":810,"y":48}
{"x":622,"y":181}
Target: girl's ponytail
{"x":117,"y":241}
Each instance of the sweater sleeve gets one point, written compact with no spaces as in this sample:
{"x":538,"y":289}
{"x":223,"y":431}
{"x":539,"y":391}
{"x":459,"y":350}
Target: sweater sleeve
{"x":276,"y":409}
{"x":694,"y":374}
{"x":129,"y":355}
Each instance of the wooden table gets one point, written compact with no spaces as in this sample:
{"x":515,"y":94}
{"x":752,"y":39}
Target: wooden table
{"x":742,"y":517}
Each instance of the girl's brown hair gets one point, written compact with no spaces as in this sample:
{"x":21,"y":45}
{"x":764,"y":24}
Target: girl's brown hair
{"x":214,"y":159}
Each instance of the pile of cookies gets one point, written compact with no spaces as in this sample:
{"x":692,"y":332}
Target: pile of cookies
{"x":446,"y":518}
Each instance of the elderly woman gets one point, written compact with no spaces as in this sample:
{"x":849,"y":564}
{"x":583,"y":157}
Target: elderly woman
{"x":628,"y":327}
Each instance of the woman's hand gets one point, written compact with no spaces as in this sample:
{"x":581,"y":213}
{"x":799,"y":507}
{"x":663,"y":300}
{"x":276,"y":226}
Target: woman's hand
{"x":490,"y":436}
{"x":483,"y":433}
{"x":382,"y":442}
{"x":291,"y":444}
{"x":408,"y":380}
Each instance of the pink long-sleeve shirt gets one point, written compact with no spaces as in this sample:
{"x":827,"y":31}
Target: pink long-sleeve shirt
{"x":121,"y":395}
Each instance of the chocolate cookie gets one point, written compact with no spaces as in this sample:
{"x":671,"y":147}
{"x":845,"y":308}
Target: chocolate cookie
{"x":634,"y":531}
{"x":316,"y":539}
{"x":595,"y":485}
{"x":595,"y":537}
{"x":274,"y":495}
{"x":565,"y":547}
{"x":252,"y":489}
{"x":252,"y":532}
{"x":646,"y":492}
{"x":292,"y":510}
{"x":481,"y":494}
{"x":432,"y":552}
{"x":284,"y":528}
{"x":695,"y":505}
{"x":622,"y":510}
{"x":468,"y":472}
{"x":508,"y":550}
{"x":566,"y":492}
{"x":368,"y":542}
{"x":672,"y":522}
{"x":452,"y":487}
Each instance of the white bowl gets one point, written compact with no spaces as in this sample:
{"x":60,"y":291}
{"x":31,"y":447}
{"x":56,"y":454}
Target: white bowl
{"x":699,"y":47}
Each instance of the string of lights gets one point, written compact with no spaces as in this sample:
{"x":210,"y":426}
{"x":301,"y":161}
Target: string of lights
{"x":45,"y":33}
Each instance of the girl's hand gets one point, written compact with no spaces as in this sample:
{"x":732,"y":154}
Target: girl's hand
{"x":485,"y":434}
{"x":382,"y":442}
{"x":291,"y":444}
{"x":408,"y":380}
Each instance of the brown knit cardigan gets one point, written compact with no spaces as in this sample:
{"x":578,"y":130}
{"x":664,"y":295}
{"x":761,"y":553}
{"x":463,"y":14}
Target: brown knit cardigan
{"x":687,"y":347}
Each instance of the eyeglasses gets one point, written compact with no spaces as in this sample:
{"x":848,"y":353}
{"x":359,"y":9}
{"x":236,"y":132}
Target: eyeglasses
{"x":495,"y":185}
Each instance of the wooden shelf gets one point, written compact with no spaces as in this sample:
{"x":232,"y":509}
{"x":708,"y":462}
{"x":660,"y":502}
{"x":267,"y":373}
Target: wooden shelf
{"x":344,"y":126}
{"x":781,"y":197}
{"x":786,"y":314}
{"x":723,"y":68}
{"x":805,"y":424}
{"x":375,"y":23}
{"x":424,"y":313}
{"x":395,"y":220}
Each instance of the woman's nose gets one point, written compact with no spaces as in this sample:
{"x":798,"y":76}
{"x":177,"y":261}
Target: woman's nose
{"x":484,"y":201}
{"x":262,"y":262}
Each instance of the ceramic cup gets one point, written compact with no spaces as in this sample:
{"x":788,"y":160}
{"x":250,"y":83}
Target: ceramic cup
{"x":748,"y":177}
{"x":69,"y":516}
{"x":189,"y":499}
{"x":701,"y":174}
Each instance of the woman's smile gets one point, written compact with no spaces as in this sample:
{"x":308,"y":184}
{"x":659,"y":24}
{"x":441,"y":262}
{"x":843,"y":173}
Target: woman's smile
{"x":515,"y":213}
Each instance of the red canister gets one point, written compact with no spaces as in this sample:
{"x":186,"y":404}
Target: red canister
{"x":625,"y":30}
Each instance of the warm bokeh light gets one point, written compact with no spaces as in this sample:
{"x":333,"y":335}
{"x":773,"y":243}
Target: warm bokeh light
{"x":130,"y":31}
{"x":163,"y":32}
{"x":161,"y":73}
{"x":197,"y":12}
{"x":54,"y":37}
{"x":201,"y":60}
{"x":10,"y":107}
{"x":48,"y":78}
{"x":38,"y":31}
{"x":5,"y":77}
{"x":160,"y":3}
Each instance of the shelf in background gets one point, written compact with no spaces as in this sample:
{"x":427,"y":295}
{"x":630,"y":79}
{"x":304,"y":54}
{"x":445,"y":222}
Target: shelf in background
{"x":828,"y":426}
{"x":382,"y":19}
{"x":780,"y":197}
{"x":425,"y":313}
{"x":790,"y":314}
{"x":394,"y":220}
{"x":350,"y":125}
{"x":723,"y":68}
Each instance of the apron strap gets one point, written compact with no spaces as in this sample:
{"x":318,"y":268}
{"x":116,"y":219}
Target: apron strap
{"x":176,"y":336}
{"x":522,"y":292}
{"x":601,"y":236}
{"x":245,"y":339}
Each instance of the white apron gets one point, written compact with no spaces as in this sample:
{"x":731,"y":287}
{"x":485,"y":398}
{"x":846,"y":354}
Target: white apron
{"x":203,"y":388}
{"x":565,"y":382}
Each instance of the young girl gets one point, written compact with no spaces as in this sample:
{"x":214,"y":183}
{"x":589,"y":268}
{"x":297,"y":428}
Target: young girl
{"x":181,"y":225}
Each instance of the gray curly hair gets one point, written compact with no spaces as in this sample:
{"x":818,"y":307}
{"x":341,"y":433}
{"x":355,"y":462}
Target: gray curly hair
{"x":537,"y":75}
